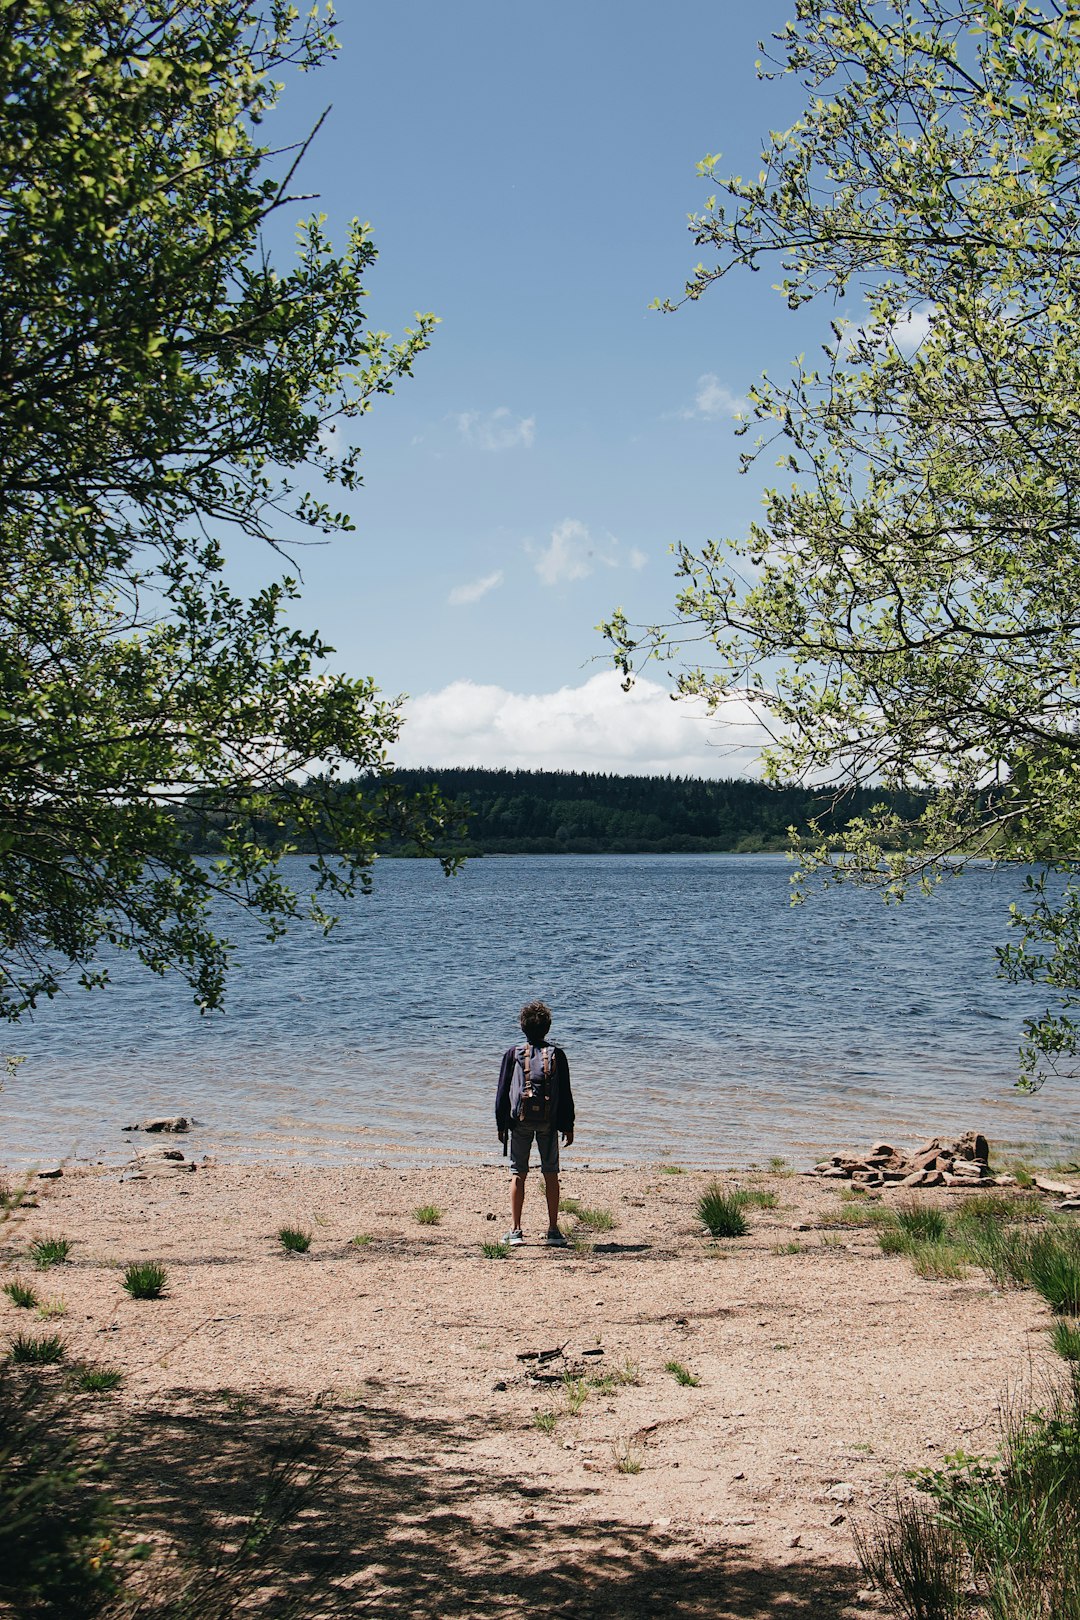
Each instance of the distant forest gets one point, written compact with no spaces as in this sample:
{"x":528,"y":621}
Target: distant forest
{"x":585,"y":813}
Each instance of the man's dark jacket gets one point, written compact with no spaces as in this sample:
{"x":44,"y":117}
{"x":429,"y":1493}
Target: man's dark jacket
{"x":562,"y":1098}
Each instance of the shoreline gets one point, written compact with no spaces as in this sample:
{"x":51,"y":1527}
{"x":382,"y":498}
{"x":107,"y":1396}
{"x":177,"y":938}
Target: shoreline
{"x":825,"y":1369}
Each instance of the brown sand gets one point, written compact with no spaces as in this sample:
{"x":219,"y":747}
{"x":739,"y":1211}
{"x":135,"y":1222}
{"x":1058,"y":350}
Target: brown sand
{"x":823,"y":1373}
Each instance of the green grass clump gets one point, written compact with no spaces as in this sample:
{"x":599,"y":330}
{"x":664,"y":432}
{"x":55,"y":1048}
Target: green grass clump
{"x":721,"y":1213}
{"x":894,"y":1241}
{"x":1066,"y":1339}
{"x":575,"y":1393}
{"x":98,"y":1380}
{"x":1004,"y":1532}
{"x":495,"y":1251}
{"x":626,"y":1457}
{"x":20,"y":1294}
{"x":145,"y":1279}
{"x":52,"y":1307}
{"x":794,"y":1247}
{"x":1052,"y":1267}
{"x":778,"y":1164}
{"x":864,"y":1213}
{"x":923,"y":1222}
{"x":596,"y":1220}
{"x":545,"y":1420}
{"x":294,"y":1239}
{"x":361,"y":1240}
{"x":427,"y":1214}
{"x":672,"y":1170}
{"x":756,"y":1198}
{"x":627,"y":1372}
{"x":937,"y":1262}
{"x":569,"y":1206}
{"x":38,"y":1351}
{"x":682,"y":1375}
{"x":49,"y":1251}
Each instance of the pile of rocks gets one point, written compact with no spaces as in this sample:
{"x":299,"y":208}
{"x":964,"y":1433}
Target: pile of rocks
{"x":938,"y":1163}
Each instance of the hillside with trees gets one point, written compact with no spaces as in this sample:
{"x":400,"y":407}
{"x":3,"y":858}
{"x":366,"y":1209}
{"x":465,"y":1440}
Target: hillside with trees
{"x":513,"y":812}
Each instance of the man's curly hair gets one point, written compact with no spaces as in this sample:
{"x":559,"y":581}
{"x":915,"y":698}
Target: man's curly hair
{"x":535,"y":1020}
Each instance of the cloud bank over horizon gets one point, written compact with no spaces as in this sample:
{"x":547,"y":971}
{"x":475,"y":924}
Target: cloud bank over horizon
{"x":592,"y":727}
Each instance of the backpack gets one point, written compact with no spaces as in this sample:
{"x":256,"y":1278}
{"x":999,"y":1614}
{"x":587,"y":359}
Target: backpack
{"x":531,"y":1086}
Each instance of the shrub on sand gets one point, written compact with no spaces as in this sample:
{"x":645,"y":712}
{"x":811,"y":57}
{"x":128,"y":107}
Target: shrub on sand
{"x":721,"y":1213}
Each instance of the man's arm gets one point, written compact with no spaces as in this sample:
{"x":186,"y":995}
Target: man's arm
{"x":502,"y":1095}
{"x":566,"y":1098}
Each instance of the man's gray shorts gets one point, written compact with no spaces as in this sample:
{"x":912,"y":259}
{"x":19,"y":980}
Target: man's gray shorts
{"x":521,"y":1141}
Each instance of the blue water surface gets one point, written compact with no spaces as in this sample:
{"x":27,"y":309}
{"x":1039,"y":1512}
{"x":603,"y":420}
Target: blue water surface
{"x":706,"y":1019}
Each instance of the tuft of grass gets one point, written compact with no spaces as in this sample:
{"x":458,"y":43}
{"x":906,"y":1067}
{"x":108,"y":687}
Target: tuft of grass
{"x":596,"y":1220}
{"x":937,"y":1262}
{"x":721,"y":1213}
{"x":569,"y":1206}
{"x":98,"y":1380}
{"x":627,"y":1372}
{"x":1066,"y":1339}
{"x":427,"y":1214}
{"x":495,"y":1251}
{"x":832,"y":1240}
{"x":923,"y":1222}
{"x":545,"y":1419}
{"x":672,"y":1170}
{"x":49,"y":1251}
{"x":1023,"y":1173}
{"x":52,"y":1307}
{"x":294,"y":1239}
{"x":575,"y":1393}
{"x":361,"y":1240}
{"x":794,"y":1247}
{"x":20,"y":1294}
{"x":603,"y":1383}
{"x":917,"y":1559}
{"x":864,"y":1213}
{"x":894,"y":1241}
{"x":756,"y":1198}
{"x":626,"y":1457}
{"x":1052,"y":1267}
{"x":682,"y":1375}
{"x":145,"y":1279}
{"x":43,"y":1350}
{"x":1004,"y":1531}
{"x":580,"y":1243}
{"x":778,"y":1164}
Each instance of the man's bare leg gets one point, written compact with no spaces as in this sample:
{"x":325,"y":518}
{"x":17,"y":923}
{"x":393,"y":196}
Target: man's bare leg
{"x":551,"y":1193}
{"x":517,"y":1201}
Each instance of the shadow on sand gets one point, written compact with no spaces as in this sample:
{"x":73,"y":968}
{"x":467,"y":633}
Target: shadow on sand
{"x":353,"y":1508}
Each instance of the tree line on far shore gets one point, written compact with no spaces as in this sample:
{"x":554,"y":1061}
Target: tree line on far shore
{"x":508,"y":812}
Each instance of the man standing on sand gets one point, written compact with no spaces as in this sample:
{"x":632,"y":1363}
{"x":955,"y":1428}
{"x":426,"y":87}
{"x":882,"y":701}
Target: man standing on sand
{"x":534,"y":1101}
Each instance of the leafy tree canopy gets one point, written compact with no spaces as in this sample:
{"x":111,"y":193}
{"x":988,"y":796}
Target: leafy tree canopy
{"x":908,"y":608}
{"x":166,"y":392}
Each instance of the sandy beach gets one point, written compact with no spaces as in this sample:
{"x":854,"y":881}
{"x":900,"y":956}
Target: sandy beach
{"x":406,"y":1367}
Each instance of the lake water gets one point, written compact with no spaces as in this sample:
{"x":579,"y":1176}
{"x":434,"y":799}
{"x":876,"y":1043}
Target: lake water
{"x":705,"y":1018}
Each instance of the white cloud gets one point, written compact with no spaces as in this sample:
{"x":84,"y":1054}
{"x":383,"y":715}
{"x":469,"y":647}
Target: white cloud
{"x":714,"y":399}
{"x":593,"y":727}
{"x":462,"y":595}
{"x":497,"y":429}
{"x":569,"y":554}
{"x":910,"y":330}
{"x":573,"y":553}
{"x":907,"y":332}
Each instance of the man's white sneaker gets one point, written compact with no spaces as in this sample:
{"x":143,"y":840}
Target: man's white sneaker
{"x":514,"y":1237}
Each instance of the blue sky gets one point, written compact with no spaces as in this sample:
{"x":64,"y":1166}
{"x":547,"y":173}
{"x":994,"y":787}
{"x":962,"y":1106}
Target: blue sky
{"x":527,"y":171}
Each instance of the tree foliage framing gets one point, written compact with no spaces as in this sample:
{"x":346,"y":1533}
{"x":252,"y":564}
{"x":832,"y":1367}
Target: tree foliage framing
{"x":908,"y":609}
{"x":165,"y":392}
